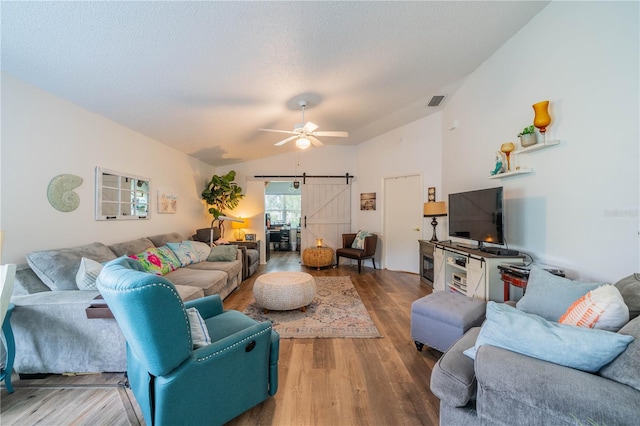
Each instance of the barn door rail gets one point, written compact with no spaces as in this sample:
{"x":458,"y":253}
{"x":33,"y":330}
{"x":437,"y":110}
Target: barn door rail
{"x":305,"y":176}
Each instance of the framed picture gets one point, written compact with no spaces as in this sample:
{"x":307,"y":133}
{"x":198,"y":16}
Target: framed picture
{"x":167,"y":202}
{"x":368,"y":201}
{"x":431,"y":194}
{"x":249,"y":237}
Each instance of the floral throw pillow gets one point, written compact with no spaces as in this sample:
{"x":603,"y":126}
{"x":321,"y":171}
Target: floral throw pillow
{"x":185,"y":252}
{"x":358,"y":243}
{"x":170,"y":257}
{"x":153,"y":261}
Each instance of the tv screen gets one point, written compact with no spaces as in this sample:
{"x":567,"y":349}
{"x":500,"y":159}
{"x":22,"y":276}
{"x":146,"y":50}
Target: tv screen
{"x":477,"y":215}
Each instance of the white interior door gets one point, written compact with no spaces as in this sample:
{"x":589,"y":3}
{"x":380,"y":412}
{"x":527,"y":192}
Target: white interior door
{"x":403,"y":222}
{"x":326,"y":214}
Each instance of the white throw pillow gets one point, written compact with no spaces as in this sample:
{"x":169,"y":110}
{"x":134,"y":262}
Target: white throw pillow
{"x":203,"y":249}
{"x":199,"y":332}
{"x":602,"y":308}
{"x":87,"y":274}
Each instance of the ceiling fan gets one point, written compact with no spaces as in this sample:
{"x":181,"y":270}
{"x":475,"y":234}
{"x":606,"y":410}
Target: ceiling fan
{"x":305,"y":134}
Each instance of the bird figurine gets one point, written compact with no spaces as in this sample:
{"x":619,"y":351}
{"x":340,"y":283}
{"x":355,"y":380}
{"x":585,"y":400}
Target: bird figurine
{"x":499,"y":164}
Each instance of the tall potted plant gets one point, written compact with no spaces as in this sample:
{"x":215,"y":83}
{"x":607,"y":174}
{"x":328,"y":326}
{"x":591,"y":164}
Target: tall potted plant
{"x":222,"y":193}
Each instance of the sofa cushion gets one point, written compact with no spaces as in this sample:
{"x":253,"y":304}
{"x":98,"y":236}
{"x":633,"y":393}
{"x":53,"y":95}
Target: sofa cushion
{"x":27,"y":282}
{"x":128,"y":248}
{"x":163,"y":239}
{"x":87,"y":274}
{"x":602,"y":308}
{"x":223,"y":253}
{"x":629,"y":287}
{"x":57,"y":268}
{"x":626,"y":368}
{"x":576,"y":347}
{"x":210,"y":281}
{"x":549,"y":296}
{"x":230,"y":268}
{"x":203,"y":250}
{"x":185,"y":252}
{"x":155,"y":261}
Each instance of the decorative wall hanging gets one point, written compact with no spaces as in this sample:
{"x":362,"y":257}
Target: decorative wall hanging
{"x":431,"y":194}
{"x":368,"y":201}
{"x":167,"y":202}
{"x":60,"y":192}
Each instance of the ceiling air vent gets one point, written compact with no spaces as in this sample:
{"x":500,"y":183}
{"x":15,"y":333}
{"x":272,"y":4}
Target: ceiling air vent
{"x":435,"y":101}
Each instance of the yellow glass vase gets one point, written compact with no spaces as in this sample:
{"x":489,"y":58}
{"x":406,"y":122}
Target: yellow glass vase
{"x":542,"y":118}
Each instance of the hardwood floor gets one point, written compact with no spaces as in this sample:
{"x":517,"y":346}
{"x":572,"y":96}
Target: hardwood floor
{"x":321,"y":381}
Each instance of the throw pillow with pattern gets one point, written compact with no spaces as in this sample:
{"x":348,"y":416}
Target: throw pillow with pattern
{"x":153,"y":261}
{"x":87,"y":274}
{"x":358,"y":243}
{"x":185,"y":252}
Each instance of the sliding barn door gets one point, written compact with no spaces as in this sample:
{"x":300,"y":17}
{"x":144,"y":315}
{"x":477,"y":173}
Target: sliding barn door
{"x":326,"y":214}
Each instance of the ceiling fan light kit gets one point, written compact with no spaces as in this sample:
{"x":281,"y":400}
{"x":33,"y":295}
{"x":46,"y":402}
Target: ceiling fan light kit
{"x":305,"y":133}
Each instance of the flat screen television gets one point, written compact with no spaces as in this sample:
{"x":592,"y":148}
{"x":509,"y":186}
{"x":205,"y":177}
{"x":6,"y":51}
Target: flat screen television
{"x":477,"y":216}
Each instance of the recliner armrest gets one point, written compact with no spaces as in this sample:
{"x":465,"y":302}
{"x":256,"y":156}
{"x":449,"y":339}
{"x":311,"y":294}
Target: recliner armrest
{"x":208,"y":306}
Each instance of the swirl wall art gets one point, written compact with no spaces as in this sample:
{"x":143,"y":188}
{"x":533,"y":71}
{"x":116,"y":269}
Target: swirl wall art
{"x":60,"y":192}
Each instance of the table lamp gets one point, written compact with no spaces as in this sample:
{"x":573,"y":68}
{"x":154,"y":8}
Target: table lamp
{"x":435,"y":209}
{"x":238,"y":226}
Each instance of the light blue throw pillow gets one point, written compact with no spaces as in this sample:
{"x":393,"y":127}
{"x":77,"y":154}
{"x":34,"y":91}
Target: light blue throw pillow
{"x":358,"y":242}
{"x":575,"y":347}
{"x":549,"y":296}
{"x":185,"y":252}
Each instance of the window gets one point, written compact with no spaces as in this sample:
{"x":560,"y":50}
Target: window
{"x":283,"y":208}
{"x":121,"y":196}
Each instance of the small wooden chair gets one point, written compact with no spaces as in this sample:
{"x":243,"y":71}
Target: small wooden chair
{"x":347,"y":251}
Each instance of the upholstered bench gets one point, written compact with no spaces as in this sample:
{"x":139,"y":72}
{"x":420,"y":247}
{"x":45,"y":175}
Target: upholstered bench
{"x":441,"y":318}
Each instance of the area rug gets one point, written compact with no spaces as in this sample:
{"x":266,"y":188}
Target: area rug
{"x":335,"y":312}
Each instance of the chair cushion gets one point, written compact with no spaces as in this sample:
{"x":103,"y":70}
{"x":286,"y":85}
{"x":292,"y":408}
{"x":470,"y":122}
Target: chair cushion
{"x":350,"y":252}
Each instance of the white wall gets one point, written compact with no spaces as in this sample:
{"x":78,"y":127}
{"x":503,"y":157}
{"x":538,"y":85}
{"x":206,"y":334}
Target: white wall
{"x":44,"y":136}
{"x":583,"y":57}
{"x":414,"y":148}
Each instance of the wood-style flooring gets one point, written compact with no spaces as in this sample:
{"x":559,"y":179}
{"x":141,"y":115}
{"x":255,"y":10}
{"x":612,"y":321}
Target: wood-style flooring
{"x":321,"y":381}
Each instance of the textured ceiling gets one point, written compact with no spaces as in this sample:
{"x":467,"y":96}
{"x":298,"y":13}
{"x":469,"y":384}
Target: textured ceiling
{"x":203,"y":76}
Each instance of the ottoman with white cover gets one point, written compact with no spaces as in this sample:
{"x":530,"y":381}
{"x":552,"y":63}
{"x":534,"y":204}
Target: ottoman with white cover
{"x":284,"y":291}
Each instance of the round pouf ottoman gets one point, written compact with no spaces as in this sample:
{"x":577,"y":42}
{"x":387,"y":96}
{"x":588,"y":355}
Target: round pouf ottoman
{"x":284,"y":291}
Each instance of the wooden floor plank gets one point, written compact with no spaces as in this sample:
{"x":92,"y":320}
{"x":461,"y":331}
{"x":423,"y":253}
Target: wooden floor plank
{"x":382,"y":381}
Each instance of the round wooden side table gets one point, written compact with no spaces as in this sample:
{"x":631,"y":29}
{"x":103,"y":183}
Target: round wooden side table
{"x":317,"y":257}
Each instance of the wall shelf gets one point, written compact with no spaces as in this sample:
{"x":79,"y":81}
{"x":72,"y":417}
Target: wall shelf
{"x":512,"y":173}
{"x":526,"y":150}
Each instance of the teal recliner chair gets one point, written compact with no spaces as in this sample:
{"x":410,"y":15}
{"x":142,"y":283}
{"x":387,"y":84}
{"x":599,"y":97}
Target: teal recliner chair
{"x":173,"y":383}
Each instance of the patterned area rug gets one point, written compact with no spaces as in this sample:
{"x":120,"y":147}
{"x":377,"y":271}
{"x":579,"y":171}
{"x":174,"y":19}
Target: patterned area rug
{"x":335,"y":312}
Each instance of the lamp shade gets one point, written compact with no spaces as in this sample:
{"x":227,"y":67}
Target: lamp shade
{"x":239,"y":225}
{"x":435,"y":208}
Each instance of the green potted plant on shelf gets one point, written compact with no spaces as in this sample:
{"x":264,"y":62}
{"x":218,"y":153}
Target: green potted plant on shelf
{"x":222,"y":193}
{"x":528,"y":136}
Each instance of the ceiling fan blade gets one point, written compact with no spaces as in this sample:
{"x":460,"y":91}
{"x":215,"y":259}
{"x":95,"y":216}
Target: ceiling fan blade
{"x":289,"y":132}
{"x":310,"y":127}
{"x":315,"y":141}
{"x":332,"y":133}
{"x":282,"y":142}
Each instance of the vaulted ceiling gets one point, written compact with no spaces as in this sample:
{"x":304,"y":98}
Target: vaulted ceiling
{"x":204,"y":76}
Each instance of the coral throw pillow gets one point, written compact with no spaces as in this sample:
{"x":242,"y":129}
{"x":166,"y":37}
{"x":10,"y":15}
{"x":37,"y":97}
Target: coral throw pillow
{"x":601,"y":308}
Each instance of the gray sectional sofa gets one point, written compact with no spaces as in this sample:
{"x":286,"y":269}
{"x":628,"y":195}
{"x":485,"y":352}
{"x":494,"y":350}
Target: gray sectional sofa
{"x":52,"y":331}
{"x":506,"y":387}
